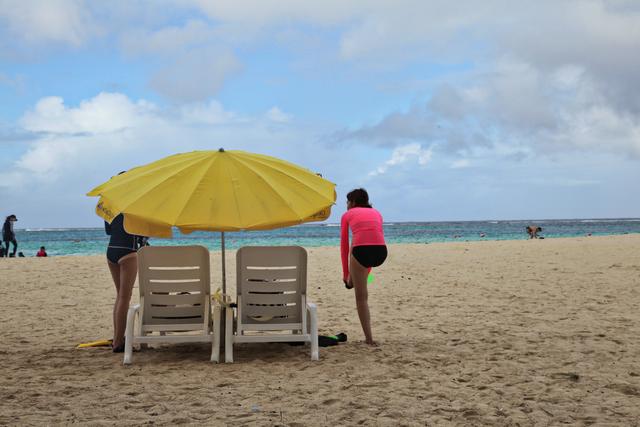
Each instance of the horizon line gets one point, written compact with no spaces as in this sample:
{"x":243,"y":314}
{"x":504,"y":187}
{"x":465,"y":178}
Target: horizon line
{"x":385,"y":222}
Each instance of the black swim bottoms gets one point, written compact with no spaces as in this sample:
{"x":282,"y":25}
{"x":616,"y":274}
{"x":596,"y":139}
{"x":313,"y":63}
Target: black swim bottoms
{"x":370,"y":256}
{"x":115,"y":253}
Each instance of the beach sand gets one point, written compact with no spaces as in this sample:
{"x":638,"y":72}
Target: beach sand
{"x":539,"y":332}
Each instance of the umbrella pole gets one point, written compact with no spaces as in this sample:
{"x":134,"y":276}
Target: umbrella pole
{"x":223,"y":320}
{"x":224,"y":275}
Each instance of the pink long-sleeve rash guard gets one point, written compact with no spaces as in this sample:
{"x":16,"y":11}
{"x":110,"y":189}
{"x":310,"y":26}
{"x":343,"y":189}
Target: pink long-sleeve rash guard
{"x":366,"y":230}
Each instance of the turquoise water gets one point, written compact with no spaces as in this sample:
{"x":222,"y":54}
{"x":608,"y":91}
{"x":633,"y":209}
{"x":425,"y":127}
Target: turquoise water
{"x":91,"y":241}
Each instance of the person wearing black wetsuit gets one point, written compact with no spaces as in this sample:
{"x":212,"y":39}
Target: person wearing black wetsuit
{"x":122,"y":259}
{"x":9,"y":236}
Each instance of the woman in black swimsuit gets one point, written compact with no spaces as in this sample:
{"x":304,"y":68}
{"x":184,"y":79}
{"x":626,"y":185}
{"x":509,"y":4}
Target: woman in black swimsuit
{"x":122,"y":259}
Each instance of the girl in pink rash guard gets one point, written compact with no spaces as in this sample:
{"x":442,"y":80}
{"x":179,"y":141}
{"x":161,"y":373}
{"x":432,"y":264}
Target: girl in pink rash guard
{"x":368,"y":249}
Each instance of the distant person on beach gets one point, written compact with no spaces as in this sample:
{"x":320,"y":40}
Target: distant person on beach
{"x":368,"y":249}
{"x":533,"y":230}
{"x":9,"y":236}
{"x":42,"y":252}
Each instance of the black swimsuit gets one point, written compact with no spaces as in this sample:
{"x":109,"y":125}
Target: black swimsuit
{"x":121,"y":243}
{"x":370,"y":256}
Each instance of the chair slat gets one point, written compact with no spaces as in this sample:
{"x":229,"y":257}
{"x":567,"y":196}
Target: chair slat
{"x":277,"y":298}
{"x":156,"y":287}
{"x":172,"y":311}
{"x":188,"y":324}
{"x":169,"y":325}
{"x":158,"y":299}
{"x":248,"y":287}
{"x":270,"y":275}
{"x":173,"y":274}
{"x":268,"y":310}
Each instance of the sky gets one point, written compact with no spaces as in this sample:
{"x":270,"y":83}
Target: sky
{"x":442,"y":110}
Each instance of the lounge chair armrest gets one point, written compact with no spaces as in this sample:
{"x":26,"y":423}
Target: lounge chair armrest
{"x":128,"y":333}
{"x":312,"y":312}
{"x":133,"y":310}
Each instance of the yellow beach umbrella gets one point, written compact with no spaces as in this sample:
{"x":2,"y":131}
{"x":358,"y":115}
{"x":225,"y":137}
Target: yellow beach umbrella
{"x":216,"y":191}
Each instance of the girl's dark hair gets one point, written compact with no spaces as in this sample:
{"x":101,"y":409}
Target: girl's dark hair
{"x":359,"y":197}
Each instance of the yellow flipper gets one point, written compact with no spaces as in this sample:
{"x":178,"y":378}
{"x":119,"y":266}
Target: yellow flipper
{"x":98,"y":343}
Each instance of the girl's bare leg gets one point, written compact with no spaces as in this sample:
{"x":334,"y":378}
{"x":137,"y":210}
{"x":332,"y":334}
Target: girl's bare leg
{"x":359,"y":279}
{"x":128,"y":271}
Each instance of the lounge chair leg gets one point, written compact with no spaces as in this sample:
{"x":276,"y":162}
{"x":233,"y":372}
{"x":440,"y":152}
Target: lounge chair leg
{"x":215,"y":351}
{"x":228,"y":341}
{"x":128,"y":334}
{"x":313,"y":329}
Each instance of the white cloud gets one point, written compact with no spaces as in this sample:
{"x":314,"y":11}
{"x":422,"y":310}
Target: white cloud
{"x":402,"y":155}
{"x":107,"y":112}
{"x":460,"y":164}
{"x":211,"y":113}
{"x":278,"y":116}
{"x":42,"y":21}
{"x":167,"y":40}
{"x":195,"y":76}
{"x":513,"y":107}
{"x":110,"y":132}
{"x":259,"y":13}
{"x":197,"y":39}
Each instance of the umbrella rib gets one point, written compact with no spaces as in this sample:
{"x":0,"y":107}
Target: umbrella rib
{"x":244,"y":163}
{"x":156,"y":185}
{"x":257,"y":160}
{"x":253,"y":171}
{"x":148,"y":169}
{"x":197,"y":183}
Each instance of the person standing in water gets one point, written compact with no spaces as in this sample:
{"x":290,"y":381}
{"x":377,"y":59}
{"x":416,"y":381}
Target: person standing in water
{"x":9,"y":236}
{"x":368,"y":249}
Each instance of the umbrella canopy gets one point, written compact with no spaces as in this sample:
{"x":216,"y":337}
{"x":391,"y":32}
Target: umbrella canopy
{"x":216,"y":191}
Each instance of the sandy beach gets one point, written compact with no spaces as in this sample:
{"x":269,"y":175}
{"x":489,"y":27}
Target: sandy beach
{"x":540,"y":332}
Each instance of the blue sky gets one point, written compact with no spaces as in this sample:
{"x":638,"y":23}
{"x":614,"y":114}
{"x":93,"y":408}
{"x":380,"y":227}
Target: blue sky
{"x":442,"y":110}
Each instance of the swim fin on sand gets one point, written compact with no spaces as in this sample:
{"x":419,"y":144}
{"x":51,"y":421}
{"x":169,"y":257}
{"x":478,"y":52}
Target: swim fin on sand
{"x":97,"y":343}
{"x":326,"y":340}
{"x":329,"y":340}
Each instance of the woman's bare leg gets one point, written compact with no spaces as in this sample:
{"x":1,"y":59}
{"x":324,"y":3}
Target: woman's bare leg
{"x":115,"y":275}
{"x":359,"y":279}
{"x":128,"y":271}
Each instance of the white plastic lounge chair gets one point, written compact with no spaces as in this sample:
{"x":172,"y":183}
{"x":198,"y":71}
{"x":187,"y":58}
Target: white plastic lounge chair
{"x":175,"y":299}
{"x":271,"y":299}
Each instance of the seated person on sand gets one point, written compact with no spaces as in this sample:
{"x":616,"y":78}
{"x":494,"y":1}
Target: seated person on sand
{"x":533,"y":231}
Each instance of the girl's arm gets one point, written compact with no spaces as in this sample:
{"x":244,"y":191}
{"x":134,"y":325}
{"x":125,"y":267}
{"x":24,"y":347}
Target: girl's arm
{"x":344,"y":246}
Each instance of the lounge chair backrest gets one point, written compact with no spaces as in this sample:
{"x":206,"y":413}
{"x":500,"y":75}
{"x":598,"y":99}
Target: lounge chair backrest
{"x":271,"y":287}
{"x":174,"y":286}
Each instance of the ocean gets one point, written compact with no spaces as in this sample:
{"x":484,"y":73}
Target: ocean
{"x":91,"y":241}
